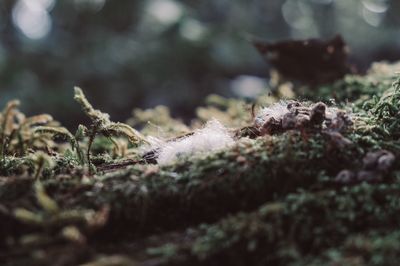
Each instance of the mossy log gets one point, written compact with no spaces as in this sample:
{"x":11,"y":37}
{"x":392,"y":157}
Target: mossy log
{"x":267,"y":200}
{"x":291,"y":231}
{"x":201,"y":191}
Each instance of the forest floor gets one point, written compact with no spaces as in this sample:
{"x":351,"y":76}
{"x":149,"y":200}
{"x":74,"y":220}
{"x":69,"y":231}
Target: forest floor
{"x":308,"y":182}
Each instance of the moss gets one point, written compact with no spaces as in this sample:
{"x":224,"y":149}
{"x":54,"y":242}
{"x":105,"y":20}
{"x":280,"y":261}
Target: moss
{"x":299,"y":227}
{"x":267,"y":200}
{"x":370,"y":248}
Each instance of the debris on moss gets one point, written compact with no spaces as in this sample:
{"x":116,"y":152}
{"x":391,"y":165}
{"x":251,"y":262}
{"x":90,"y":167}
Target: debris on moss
{"x":213,"y":137}
{"x":306,"y":182}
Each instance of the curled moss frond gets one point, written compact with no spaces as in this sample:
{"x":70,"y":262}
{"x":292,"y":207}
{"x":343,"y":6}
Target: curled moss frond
{"x":101,"y":121}
{"x":37,"y":120}
{"x":17,"y":131}
{"x":99,"y":118}
{"x":7,"y":125}
{"x":56,"y":132}
{"x":121,"y":129}
{"x":101,"y":124}
{"x":62,"y":133}
{"x":7,"y":116}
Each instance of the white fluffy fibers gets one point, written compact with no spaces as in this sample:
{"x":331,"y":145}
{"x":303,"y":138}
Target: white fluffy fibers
{"x":213,"y":137}
{"x":276,"y":110}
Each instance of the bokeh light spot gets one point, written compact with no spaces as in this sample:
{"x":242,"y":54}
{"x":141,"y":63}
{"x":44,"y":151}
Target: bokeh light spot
{"x":32,"y":17}
{"x":296,"y":14}
{"x":192,"y":30}
{"x":372,"y":18}
{"x":248,"y":86}
{"x":167,"y":12}
{"x":376,"y":6}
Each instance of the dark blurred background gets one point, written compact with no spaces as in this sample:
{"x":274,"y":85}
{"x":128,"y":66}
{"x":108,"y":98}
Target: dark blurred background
{"x":141,"y":53}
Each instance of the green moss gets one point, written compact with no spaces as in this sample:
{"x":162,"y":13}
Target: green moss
{"x":371,"y":248}
{"x":299,"y":227}
{"x":269,"y":200}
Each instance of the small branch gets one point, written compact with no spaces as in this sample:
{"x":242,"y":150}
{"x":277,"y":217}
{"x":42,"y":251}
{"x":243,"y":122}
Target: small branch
{"x":116,"y":166}
{"x":90,"y":142}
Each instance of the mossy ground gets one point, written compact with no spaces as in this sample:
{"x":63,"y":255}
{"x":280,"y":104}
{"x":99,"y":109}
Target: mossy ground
{"x":268,"y":200}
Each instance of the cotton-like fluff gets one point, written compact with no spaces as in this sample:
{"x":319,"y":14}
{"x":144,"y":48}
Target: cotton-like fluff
{"x":276,"y":110}
{"x":213,"y":137}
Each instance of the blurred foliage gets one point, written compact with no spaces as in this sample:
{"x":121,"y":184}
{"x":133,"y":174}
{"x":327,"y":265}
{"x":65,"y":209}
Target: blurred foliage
{"x":145,"y":53}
